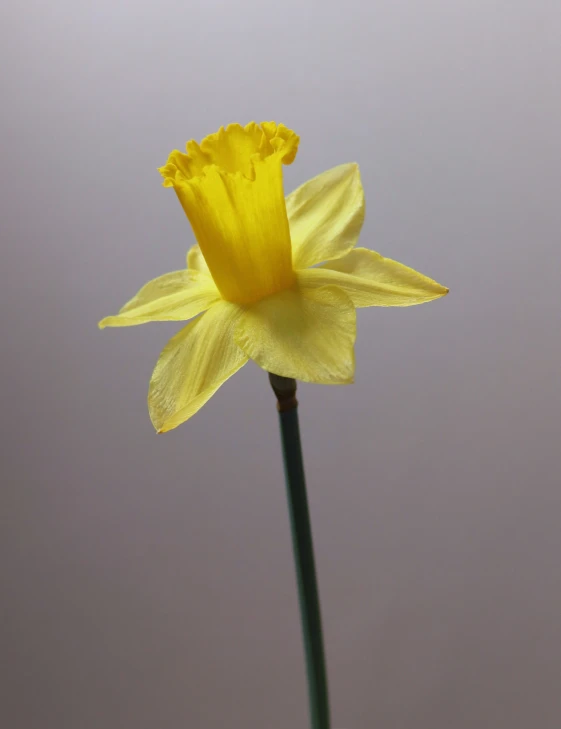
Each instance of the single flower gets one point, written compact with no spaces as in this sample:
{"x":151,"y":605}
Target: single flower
{"x":270,"y":279}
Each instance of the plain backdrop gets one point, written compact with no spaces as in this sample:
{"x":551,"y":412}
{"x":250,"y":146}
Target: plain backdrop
{"x":147,"y":581}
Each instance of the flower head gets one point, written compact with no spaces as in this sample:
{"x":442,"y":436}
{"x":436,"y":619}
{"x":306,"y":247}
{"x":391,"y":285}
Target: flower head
{"x":275,"y":280}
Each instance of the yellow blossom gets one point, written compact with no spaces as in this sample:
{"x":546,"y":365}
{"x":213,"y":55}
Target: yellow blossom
{"x":270,"y":279}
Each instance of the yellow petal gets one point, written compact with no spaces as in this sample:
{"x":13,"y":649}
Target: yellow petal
{"x":196,"y":260}
{"x":369,"y":279}
{"x":308,"y":335}
{"x":326,"y":215}
{"x":193,"y":365}
{"x":175,"y":296}
{"x":232,"y":192}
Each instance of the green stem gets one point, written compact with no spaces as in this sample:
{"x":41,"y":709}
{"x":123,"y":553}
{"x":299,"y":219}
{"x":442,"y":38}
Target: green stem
{"x":285,"y":390}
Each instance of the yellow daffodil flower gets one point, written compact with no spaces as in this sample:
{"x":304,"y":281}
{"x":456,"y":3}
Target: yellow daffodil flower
{"x":270,"y":279}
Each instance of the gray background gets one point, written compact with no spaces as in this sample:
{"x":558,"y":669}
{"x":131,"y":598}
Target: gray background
{"x":147,"y":581}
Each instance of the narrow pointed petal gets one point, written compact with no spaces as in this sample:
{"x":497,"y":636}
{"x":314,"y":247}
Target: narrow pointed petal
{"x":196,"y":260}
{"x":307,"y":335}
{"x":193,"y":365}
{"x":369,"y":279}
{"x":175,"y":296}
{"x":325,"y":216}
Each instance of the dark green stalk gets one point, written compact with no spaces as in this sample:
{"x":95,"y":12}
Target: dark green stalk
{"x":285,"y":390}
